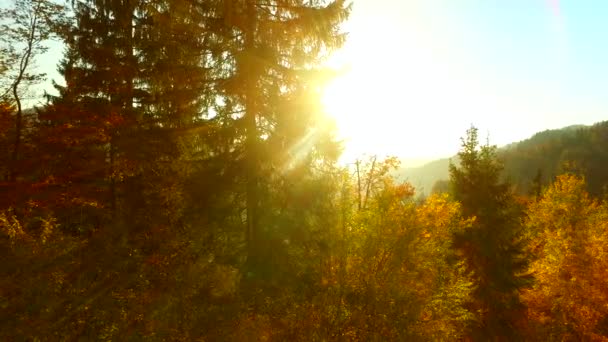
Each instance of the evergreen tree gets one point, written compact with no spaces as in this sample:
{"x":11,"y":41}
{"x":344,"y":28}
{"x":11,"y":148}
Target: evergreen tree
{"x":140,"y":69}
{"x":175,"y":60}
{"x":537,"y":185}
{"x":492,"y":247}
{"x":272,"y":50}
{"x":102,"y":79}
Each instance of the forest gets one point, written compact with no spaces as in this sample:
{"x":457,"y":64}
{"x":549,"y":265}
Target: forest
{"x":183,"y":184}
{"x":534,"y":162}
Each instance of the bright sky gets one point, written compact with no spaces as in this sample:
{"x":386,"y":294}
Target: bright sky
{"x":420,"y":72}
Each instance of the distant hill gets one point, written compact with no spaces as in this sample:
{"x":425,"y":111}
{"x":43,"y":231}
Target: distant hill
{"x":425,"y":176}
{"x":580,"y":149}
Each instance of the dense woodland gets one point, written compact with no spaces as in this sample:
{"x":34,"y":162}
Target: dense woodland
{"x":184,"y":185}
{"x":534,"y":162}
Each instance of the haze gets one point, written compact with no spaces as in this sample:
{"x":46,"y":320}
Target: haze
{"x":420,"y":69}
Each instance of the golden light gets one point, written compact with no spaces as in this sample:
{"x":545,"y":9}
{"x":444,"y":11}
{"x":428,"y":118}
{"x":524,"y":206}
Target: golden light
{"x":399,"y":87}
{"x":382,"y":84}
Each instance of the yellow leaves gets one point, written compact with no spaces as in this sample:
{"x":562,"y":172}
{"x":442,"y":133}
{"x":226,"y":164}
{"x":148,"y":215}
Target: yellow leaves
{"x":48,"y":226}
{"x":566,"y":197}
{"x":568,"y":231}
{"x":404,"y":190}
{"x":10,"y":226}
{"x":85,"y":202}
{"x":441,"y":215}
{"x":5,"y":107}
{"x":401,"y":253}
{"x":21,"y":231}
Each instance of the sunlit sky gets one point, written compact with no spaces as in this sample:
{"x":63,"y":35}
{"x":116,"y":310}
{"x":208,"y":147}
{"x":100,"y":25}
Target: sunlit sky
{"x":420,"y":72}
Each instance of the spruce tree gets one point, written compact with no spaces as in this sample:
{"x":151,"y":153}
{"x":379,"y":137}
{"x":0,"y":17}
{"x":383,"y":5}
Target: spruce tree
{"x":273,"y":48}
{"x":492,"y":247}
{"x":142,"y":69}
{"x":102,"y":78}
{"x":175,"y":61}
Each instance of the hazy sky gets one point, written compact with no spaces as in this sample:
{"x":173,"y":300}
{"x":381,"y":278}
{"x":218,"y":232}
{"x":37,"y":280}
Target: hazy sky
{"x":433,"y":67}
{"x":422,"y":71}
{"x":46,"y":63}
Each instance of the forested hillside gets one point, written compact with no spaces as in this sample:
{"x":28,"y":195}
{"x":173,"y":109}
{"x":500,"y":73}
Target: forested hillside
{"x":183,"y":186}
{"x":579,"y":149}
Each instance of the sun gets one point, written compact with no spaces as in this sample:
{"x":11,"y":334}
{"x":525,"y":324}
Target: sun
{"x":339,"y":102}
{"x":394,"y":92}
{"x":368,"y":98}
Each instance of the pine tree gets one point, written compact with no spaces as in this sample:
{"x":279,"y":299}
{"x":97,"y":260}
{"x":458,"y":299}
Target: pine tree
{"x":536,"y":187}
{"x":142,"y":68}
{"x":102,"y":77}
{"x":273,"y":48}
{"x":71,"y":155}
{"x":492,"y":248}
{"x":175,"y":58}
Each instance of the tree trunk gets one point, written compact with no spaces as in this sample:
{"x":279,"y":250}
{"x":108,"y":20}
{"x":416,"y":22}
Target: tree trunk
{"x":23,"y":65}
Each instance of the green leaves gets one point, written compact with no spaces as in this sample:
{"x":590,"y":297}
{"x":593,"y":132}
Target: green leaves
{"x":492,"y":247}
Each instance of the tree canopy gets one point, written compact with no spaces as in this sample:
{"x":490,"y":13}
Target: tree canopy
{"x":184,"y":184}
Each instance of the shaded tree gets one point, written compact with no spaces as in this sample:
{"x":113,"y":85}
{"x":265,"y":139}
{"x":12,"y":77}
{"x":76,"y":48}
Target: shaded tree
{"x":272,"y":48}
{"x":492,"y":247}
{"x":441,"y":186}
{"x":537,"y":185}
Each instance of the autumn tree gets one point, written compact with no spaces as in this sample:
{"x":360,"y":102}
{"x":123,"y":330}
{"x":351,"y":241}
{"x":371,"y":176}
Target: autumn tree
{"x":492,"y":247}
{"x":568,"y":239}
{"x":27,"y":27}
{"x":402,"y":280}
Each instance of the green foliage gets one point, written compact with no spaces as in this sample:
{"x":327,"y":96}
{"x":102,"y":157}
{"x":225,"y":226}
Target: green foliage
{"x":492,"y":247}
{"x":577,"y":149}
{"x":440,"y":187}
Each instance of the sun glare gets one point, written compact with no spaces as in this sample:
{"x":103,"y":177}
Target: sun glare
{"x":394,"y":93}
{"x":382,"y":86}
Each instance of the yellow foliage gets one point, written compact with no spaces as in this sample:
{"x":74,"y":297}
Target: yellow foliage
{"x":16,"y":230}
{"x":569,"y":238}
{"x":401,"y":251}
{"x":48,"y":226}
{"x":10,"y":226}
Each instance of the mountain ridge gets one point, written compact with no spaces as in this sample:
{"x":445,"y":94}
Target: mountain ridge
{"x":581,"y":149}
